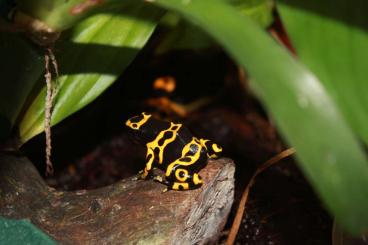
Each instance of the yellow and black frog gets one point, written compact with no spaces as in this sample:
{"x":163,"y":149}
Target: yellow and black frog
{"x":172,"y":148}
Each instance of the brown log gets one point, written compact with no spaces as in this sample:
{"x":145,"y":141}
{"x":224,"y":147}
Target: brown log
{"x":127,"y":212}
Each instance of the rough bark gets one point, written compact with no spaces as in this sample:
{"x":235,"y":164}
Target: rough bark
{"x":127,"y":212}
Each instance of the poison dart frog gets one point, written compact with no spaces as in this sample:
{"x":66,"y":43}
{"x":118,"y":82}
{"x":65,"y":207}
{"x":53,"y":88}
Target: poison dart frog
{"x":172,"y":148}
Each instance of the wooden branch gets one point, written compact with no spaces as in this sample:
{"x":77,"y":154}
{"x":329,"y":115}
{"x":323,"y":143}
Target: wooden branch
{"x":126,"y":212}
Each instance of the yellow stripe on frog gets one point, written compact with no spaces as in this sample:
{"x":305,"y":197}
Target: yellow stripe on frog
{"x":186,"y":149}
{"x":154,"y":144}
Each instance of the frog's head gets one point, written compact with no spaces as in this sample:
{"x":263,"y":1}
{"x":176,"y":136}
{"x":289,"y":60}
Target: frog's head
{"x":145,"y":128}
{"x":136,"y":122}
{"x":137,"y":126}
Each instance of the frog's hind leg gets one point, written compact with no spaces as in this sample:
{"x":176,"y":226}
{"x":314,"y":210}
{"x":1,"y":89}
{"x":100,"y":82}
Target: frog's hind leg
{"x":179,"y":178}
{"x":193,"y":182}
{"x":178,"y":186}
{"x":213,"y":149}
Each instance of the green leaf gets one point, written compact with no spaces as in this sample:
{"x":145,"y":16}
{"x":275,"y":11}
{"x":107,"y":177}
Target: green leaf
{"x":308,"y":118}
{"x":21,"y":67}
{"x":258,"y":10}
{"x":22,"y":232}
{"x":100,"y":48}
{"x":331,"y":38}
{"x":185,"y":35}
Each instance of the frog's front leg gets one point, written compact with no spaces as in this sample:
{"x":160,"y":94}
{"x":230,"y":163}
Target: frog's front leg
{"x":147,"y":171}
{"x":144,"y":174}
{"x":162,"y":181}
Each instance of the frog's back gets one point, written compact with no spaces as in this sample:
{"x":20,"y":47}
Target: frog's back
{"x":174,"y":150}
{"x":152,"y":129}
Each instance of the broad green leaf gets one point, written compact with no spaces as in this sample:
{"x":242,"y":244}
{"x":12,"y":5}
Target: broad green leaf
{"x":331,"y":38}
{"x":185,"y":35}
{"x":308,"y":118}
{"x":21,"y":67}
{"x":19,"y":232}
{"x":61,"y":14}
{"x":100,"y":48}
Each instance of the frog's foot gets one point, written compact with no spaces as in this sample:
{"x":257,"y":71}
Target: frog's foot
{"x":162,"y":181}
{"x":159,"y":178}
{"x":142,"y":175}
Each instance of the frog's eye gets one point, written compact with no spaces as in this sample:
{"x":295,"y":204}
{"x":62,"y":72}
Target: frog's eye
{"x":134,"y":125}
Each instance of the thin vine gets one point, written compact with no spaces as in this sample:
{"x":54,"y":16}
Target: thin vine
{"x":51,"y":92}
